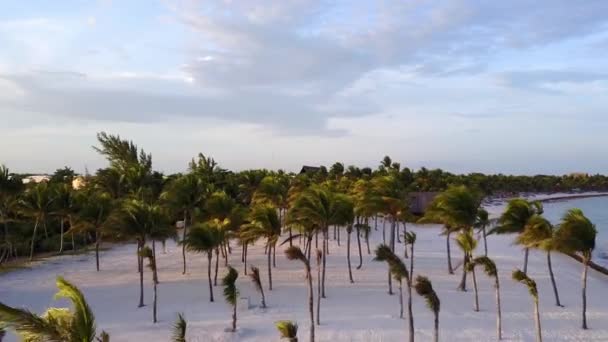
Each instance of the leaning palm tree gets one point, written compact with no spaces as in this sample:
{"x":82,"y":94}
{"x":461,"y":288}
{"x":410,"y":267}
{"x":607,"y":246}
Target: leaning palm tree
{"x":257,"y":281}
{"x":576,"y":235}
{"x":467,"y":244}
{"x":539,"y":234}
{"x":482,"y":222}
{"x":424,"y":288}
{"x":489,"y":268}
{"x":399,"y":272}
{"x":56,"y":324}
{"x":231,"y":293}
{"x":410,"y":239}
{"x":295,"y":253}
{"x":288,"y":330}
{"x":147,"y":253}
{"x":179,"y":329}
{"x":36,"y":203}
{"x":521,"y":277}
{"x":204,"y":238}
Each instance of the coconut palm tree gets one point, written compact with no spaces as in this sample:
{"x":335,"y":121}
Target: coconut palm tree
{"x":467,"y":244}
{"x":179,"y":329}
{"x":36,"y":203}
{"x":399,"y":272}
{"x":295,"y":253}
{"x":147,"y":253}
{"x":204,"y":238}
{"x":63,"y":207}
{"x":11,"y":187}
{"x":576,"y":235}
{"x":231,"y":293}
{"x":187,"y":194}
{"x":515,"y":218}
{"x":489,"y":268}
{"x":257,"y":282}
{"x":482,"y":222}
{"x":539,"y":234}
{"x":521,"y":277}
{"x":424,"y":288}
{"x":288,"y":330}
{"x":410,"y":239}
{"x":263,"y":223}
{"x":56,"y":324}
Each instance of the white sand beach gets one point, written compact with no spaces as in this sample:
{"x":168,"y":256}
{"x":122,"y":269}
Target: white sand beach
{"x":352,"y":312}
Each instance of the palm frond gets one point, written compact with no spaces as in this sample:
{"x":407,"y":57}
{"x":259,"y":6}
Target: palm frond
{"x":489,"y":266}
{"x":410,"y":238}
{"x":179,"y":329}
{"x":466,"y":241}
{"x":287,"y":329}
{"x":103,"y":337}
{"x":24,"y":322}
{"x":523,"y":278}
{"x":295,"y":253}
{"x":255,"y":278}
{"x":83,"y":323}
{"x":424,"y":288}
{"x":396,"y":267}
{"x":231,"y":293}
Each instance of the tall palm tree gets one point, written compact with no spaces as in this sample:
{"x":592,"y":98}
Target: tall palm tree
{"x":467,"y":244}
{"x":489,"y":268}
{"x":231,"y":293}
{"x":56,"y":324}
{"x":424,"y":288}
{"x":11,"y":187}
{"x":204,"y":238}
{"x":521,"y":277}
{"x":576,"y":235}
{"x":295,"y":253}
{"x":186,"y":194}
{"x":274,"y":190}
{"x":147,"y":253}
{"x":539,"y":234}
{"x":63,"y":207}
{"x":288,"y":330}
{"x":515,"y":218}
{"x":36,"y":203}
{"x":257,"y":282}
{"x":264,"y":222}
{"x":399,"y":272}
{"x":483,"y":221}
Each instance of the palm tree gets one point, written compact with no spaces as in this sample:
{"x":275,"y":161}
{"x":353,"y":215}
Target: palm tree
{"x":576,"y":235}
{"x":36,"y":203}
{"x":399,"y":271}
{"x":179,"y":329}
{"x":521,"y":277}
{"x":204,"y":238}
{"x":467,"y":244}
{"x":263,"y":223}
{"x":295,"y":253}
{"x":56,"y":324}
{"x":483,"y":220}
{"x":288,"y":330}
{"x":539,"y":234}
{"x":424,"y":288}
{"x":231,"y":293}
{"x":319,"y":259}
{"x":185,"y":194}
{"x":490,"y":269}
{"x":410,"y":239}
{"x":255,"y":278}
{"x":515,"y":219}
{"x":63,"y":207}
{"x":11,"y":187}
{"x":147,"y":253}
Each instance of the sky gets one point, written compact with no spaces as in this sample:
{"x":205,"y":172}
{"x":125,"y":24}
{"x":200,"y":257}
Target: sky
{"x":517,"y":87}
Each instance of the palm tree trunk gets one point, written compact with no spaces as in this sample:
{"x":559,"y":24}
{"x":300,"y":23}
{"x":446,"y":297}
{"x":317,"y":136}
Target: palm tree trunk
{"x":367,"y":236}
{"x":311,"y":310}
{"x":476,"y":307}
{"x":234,"y":318}
{"x":61,"y":236}
{"x":318,"y":290}
{"x":46,"y":232}
{"x":263,"y":297}
{"x":409,"y":310}
{"x":338,"y":236}
{"x":324,"y":262}
{"x":584,"y":292}
{"x":383,"y":230}
{"x":400,"y":298}
{"x":498,"y":310}
{"x":485,"y":240}
{"x":274,"y":254}
{"x":539,"y":337}
{"x":447,"y":243}
{"x":359,"y":246}
{"x":404,"y":233}
{"x":350,"y":272}
{"x":217,"y":265}
{"x":392,"y":246}
{"x":527,"y":251}
{"x":411,"y":262}
{"x":376,"y":222}
{"x":436,"y":330}
{"x":141,"y":275}
{"x":209,"y":257}
{"x":185,"y":232}
{"x":154,"y":320}
{"x":463,"y":280}
{"x":97,"y":242}
{"x":557,"y":302}
{"x":245,"y":256}
{"x":269,"y":270}
{"x":154,"y":270}
{"x":155,"y":282}
{"x":33,"y":240}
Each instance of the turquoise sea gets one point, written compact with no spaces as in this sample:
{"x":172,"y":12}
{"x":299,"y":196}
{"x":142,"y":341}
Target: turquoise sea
{"x":596,"y":209}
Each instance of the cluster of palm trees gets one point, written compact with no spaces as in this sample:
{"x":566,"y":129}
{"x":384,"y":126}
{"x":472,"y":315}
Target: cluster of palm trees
{"x":220,"y":212}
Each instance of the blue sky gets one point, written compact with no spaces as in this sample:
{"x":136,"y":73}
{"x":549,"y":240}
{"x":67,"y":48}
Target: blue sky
{"x":514,"y":87}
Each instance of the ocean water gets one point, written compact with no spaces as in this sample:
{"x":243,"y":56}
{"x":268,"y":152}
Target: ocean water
{"x":596,"y":209}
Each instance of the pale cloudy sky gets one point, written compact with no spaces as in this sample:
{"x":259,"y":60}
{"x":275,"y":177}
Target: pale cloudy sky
{"x":494,"y":86}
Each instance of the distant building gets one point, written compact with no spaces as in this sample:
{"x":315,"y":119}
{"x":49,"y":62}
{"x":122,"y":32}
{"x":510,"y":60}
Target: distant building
{"x":36,"y":179}
{"x":78,"y":182}
{"x":309,"y":170}
{"x":419,"y":201}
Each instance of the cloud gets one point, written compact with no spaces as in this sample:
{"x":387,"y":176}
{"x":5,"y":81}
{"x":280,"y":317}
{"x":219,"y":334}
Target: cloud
{"x":542,"y":79}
